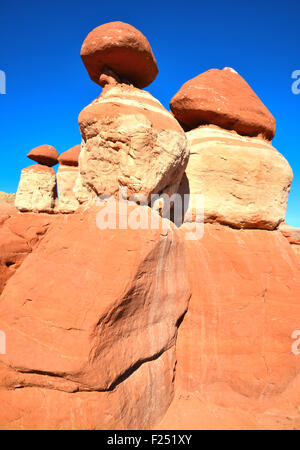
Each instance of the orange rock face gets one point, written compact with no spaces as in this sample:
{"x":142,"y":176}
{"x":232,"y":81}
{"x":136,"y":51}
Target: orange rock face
{"x":44,"y":154}
{"x":293,"y":236}
{"x":99,"y":328}
{"x":236,"y":360}
{"x":233,"y":363}
{"x":122,"y":48}
{"x":19,"y":234}
{"x":223,"y":98}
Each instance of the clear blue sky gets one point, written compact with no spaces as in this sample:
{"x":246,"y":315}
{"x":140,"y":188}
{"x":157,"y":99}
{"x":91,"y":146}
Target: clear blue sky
{"x":47,"y":84}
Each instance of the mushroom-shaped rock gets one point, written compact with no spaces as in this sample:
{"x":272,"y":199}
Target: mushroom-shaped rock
{"x":37,"y":189}
{"x":131,"y":140}
{"x":223,"y":98}
{"x":244,"y":181}
{"x":67,"y":174}
{"x":70,"y":157}
{"x":119,"y":47}
{"x":44,"y":154}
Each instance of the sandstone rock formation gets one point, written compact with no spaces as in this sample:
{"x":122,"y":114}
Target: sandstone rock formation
{"x":19,"y":234}
{"x":292,"y":234}
{"x":44,"y":154}
{"x":130,"y":140}
{"x":236,"y":362}
{"x":7,"y":197}
{"x":121,"y":48}
{"x":37,"y":189}
{"x":71,"y":325}
{"x":223,"y":98}
{"x":113,"y":317}
{"x":67,"y":174}
{"x":245,"y":181}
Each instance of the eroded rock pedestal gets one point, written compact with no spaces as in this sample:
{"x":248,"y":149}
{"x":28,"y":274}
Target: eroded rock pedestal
{"x":37,"y":189}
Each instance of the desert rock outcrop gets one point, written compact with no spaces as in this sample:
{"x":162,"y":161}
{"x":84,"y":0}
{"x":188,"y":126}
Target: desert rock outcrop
{"x":7,"y":198}
{"x":237,"y":367}
{"x":19,"y":234}
{"x":72,"y":324}
{"x":114,"y":317}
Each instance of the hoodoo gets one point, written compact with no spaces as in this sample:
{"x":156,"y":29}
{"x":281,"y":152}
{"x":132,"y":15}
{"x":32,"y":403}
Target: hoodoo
{"x":115,"y":322}
{"x":67,"y":174}
{"x":232,"y":159}
{"x":129,"y":138}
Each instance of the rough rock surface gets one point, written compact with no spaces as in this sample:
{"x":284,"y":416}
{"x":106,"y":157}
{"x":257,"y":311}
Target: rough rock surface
{"x":293,"y":236}
{"x":70,"y":157}
{"x":37,"y":189}
{"x":90,"y":352}
{"x":223,"y":98}
{"x":245,"y":181}
{"x":82,"y":193}
{"x":19,"y":234}
{"x":122,"y":48}
{"x":66,"y":179}
{"x":44,"y":154}
{"x":236,"y":366}
{"x":7,"y":197}
{"x":130,"y":140}
{"x":67,"y":175}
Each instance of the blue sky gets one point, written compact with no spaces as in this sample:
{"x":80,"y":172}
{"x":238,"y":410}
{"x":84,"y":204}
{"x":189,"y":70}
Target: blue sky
{"x":47,"y":84}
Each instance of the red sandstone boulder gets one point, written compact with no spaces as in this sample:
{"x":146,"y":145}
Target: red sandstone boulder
{"x":44,"y":154}
{"x":70,"y":157}
{"x":119,"y":47}
{"x":223,"y":98}
{"x":19,"y":234}
{"x":91,"y":319}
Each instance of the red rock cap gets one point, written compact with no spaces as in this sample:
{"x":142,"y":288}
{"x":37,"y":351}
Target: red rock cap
{"x":44,"y":154}
{"x":223,"y":98}
{"x":122,"y":48}
{"x":70,"y":157}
